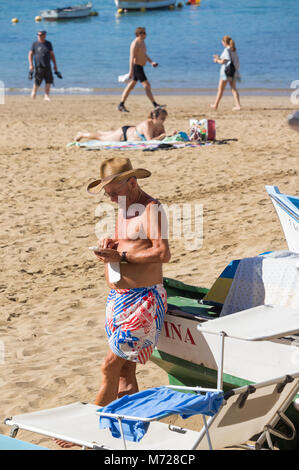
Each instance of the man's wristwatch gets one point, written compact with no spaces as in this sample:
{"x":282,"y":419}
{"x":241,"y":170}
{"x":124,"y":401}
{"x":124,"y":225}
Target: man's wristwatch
{"x":123,"y":258}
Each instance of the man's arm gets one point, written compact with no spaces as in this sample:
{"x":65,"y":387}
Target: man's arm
{"x":133,"y":49}
{"x":30,"y":59}
{"x":157,"y":233}
{"x":154,"y":64}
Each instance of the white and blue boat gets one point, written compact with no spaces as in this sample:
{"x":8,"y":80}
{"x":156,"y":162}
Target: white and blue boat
{"x":287,"y":208}
{"x":66,"y":13}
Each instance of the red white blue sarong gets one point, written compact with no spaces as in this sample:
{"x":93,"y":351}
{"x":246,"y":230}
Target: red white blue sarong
{"x":134,"y":318}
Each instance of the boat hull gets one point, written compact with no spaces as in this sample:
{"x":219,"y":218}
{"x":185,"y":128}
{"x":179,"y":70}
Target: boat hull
{"x":287,"y":208}
{"x":147,"y":4}
{"x":65,"y":14}
{"x":190,"y":358}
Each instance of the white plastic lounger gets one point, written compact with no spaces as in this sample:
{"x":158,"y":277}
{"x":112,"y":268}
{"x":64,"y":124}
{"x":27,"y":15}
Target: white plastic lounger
{"x":78,"y":423}
{"x":246,"y":411}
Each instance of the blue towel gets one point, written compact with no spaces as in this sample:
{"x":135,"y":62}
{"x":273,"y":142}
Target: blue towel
{"x":156,"y":403}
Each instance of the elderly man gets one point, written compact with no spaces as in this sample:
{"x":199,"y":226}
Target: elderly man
{"x":137,"y":301}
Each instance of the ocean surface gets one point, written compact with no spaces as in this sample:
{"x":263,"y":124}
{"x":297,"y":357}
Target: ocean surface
{"x":92,"y":52}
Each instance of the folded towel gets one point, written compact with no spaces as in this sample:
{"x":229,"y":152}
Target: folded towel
{"x":156,"y":403}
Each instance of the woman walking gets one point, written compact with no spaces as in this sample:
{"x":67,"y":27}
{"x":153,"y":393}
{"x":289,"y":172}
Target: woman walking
{"x":228,"y":55}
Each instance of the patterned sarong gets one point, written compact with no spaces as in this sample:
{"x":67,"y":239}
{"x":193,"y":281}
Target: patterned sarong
{"x":134,"y":319}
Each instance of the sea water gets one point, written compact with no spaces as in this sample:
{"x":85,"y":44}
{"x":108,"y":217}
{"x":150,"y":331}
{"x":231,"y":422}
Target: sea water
{"x":92,"y":52}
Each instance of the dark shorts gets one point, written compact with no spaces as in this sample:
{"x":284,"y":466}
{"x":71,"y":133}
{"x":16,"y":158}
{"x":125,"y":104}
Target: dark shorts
{"x":41,"y":74}
{"x":138,"y":73}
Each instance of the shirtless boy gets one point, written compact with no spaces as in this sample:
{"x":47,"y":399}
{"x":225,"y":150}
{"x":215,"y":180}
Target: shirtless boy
{"x":138,"y":59}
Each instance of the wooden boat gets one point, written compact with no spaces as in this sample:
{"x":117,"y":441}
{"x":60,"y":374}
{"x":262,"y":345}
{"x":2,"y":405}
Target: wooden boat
{"x":143,"y":4}
{"x":71,"y":12}
{"x":287,"y":208}
{"x":190,"y":356}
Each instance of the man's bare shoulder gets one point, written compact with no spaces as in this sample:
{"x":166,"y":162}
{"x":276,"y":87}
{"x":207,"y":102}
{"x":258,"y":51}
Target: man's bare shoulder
{"x":151,"y":202}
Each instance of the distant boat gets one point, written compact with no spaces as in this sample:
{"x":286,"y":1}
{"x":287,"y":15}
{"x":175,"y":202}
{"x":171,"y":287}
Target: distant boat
{"x":287,"y":208}
{"x":77,"y":11}
{"x":147,"y":4}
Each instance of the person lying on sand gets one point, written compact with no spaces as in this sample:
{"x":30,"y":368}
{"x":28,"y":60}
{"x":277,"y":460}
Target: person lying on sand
{"x":151,"y":128}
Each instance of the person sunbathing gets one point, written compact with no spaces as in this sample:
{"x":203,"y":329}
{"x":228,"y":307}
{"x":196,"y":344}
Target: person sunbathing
{"x":151,"y":128}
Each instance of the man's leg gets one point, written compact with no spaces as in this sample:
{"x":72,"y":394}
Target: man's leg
{"x":47,"y":91}
{"x":127,"y":381}
{"x":126,"y":92}
{"x":148,"y":90}
{"x":34,"y":91}
{"x":111,"y":372}
{"x":118,"y":379}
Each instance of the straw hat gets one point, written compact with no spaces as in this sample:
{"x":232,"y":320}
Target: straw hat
{"x":115,"y":169}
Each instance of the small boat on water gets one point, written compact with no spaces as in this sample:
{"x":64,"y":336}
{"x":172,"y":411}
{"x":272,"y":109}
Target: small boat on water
{"x":141,"y":4}
{"x":71,"y":12}
{"x":287,"y":208}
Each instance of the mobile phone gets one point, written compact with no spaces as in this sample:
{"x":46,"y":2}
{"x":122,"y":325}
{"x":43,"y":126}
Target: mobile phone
{"x":95,"y":248}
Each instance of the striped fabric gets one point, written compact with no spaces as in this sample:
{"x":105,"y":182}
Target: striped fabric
{"x":134,"y":319}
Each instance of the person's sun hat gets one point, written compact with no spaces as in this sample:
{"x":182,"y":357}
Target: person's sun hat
{"x":116,"y":169}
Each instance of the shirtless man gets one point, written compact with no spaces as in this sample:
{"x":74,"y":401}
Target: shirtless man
{"x":138,"y":59}
{"x":151,"y":128}
{"x":137,"y":302}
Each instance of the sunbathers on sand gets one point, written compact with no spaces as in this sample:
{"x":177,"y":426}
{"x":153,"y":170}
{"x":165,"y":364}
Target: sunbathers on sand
{"x":134,"y":319}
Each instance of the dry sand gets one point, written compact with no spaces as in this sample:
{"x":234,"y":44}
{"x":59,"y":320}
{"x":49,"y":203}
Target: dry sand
{"x":52,"y":288}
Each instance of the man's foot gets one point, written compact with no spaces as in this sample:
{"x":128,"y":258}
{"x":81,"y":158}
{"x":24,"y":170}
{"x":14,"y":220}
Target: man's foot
{"x":213,"y":106}
{"x":156,"y":105}
{"x":64,"y":444}
{"x":33,"y":96}
{"x":236,"y":108}
{"x":121,"y":107}
{"x":46,"y":98}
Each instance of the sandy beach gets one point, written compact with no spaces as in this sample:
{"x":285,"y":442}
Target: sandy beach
{"x":53,"y":291}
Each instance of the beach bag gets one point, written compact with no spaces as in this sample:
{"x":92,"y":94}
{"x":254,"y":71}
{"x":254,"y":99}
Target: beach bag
{"x":230,"y":69}
{"x":202,"y":130}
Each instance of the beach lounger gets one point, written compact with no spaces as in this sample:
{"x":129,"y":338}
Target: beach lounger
{"x":245,"y":412}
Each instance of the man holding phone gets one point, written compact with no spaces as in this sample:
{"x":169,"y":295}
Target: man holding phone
{"x":137,"y":301}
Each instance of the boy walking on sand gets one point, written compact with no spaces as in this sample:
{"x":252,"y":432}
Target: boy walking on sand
{"x":138,"y":59}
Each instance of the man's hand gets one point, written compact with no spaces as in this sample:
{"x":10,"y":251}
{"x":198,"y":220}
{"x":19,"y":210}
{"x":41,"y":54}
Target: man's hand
{"x":107,"y":242}
{"x":108,"y":255}
{"x":155,"y":64}
{"x":30,"y":74}
{"x":58,"y":74}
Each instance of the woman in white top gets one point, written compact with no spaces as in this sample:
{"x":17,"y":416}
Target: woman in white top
{"x":227,"y":55}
